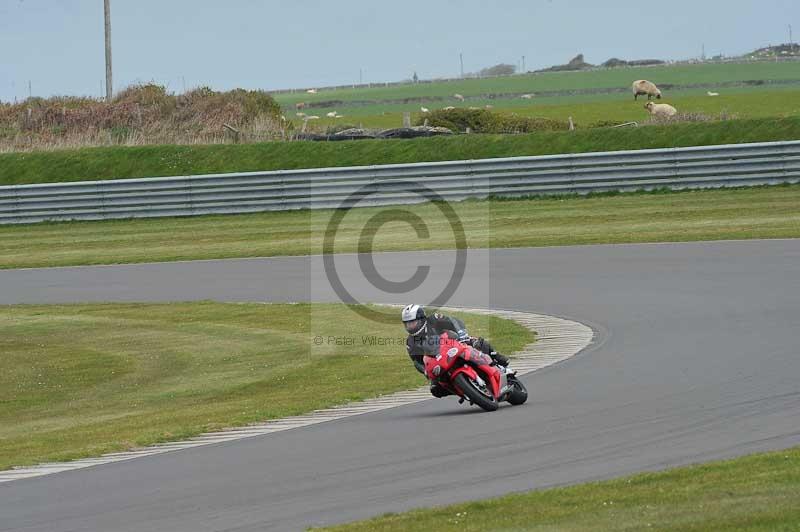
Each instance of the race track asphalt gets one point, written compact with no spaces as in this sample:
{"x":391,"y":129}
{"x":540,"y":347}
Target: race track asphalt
{"x":696,"y":357}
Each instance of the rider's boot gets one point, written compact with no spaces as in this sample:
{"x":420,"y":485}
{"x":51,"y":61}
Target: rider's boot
{"x":499,"y":359}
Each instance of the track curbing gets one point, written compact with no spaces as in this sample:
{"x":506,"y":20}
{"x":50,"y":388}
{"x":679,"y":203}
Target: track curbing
{"x":557,"y":339}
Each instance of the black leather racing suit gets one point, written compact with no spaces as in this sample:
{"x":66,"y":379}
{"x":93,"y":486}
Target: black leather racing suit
{"x":427,"y":342}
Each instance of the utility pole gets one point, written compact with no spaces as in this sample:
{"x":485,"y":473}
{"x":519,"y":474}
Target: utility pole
{"x":523,"y":64}
{"x":461,"y":59}
{"x":109,"y":82}
{"x":790,"y":36}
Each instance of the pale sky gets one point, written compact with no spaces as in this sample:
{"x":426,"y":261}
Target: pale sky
{"x":57,"y":45}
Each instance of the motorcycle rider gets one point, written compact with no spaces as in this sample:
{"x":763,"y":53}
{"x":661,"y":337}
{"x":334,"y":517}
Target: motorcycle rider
{"x":423,"y":338}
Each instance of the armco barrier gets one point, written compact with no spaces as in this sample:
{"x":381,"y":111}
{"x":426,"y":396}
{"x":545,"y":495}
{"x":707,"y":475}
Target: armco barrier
{"x":696,"y":167}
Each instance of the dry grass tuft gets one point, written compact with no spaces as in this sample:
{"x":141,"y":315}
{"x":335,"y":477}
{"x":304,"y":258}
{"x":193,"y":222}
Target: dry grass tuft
{"x":140,"y":114}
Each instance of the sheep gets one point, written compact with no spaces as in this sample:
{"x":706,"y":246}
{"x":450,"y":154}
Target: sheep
{"x":712,"y":93}
{"x":527,"y":96}
{"x":311,"y":91}
{"x":300,"y":105}
{"x":660,"y":110}
{"x":642,"y":87}
{"x":458,"y":97}
{"x":332,"y":114}
{"x":424,"y":109}
{"x":448,"y":108}
{"x":312,"y":117}
{"x":301,"y":115}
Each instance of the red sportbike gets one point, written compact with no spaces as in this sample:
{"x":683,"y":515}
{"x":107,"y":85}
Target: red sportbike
{"x":471,"y":375}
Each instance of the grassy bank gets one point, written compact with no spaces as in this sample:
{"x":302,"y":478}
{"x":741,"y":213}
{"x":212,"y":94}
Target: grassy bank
{"x":151,"y":161}
{"x":82,"y":380}
{"x":757,"y":492}
{"x":768,"y":212}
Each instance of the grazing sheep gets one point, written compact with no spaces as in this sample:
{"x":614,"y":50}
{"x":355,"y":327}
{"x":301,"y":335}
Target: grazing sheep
{"x":300,"y":105}
{"x":487,"y":106}
{"x":712,"y":93}
{"x":660,"y":110}
{"x":312,"y":117}
{"x":311,"y":91}
{"x":458,"y":97}
{"x":332,"y":114}
{"x":424,"y":109}
{"x":527,"y":96}
{"x":448,"y":108}
{"x":301,"y":115}
{"x":642,"y":87}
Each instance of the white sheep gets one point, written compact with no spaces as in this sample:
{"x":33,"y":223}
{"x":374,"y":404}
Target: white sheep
{"x":424,"y":109}
{"x":458,"y":97}
{"x":660,"y":110}
{"x":448,"y":108}
{"x":301,"y":115}
{"x":487,"y":106}
{"x":642,"y":87}
{"x":712,"y":93}
{"x":332,"y":114}
{"x":312,"y":117}
{"x":527,"y":96}
{"x":311,"y":91}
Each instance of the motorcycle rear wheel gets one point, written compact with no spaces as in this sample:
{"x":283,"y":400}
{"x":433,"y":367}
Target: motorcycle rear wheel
{"x":475,"y":393}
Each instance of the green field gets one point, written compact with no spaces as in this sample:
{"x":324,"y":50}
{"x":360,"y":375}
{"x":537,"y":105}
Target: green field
{"x":83,"y":380}
{"x":563,"y":94}
{"x":705,"y":74}
{"x":754,"y":493}
{"x":764,"y":212}
{"x":152,"y":161}
{"x":588,"y":110}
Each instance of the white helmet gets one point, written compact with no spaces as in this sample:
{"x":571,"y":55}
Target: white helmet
{"x":414,"y":319}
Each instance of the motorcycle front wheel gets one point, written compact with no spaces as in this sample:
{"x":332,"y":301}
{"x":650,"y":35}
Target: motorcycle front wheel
{"x":480,"y":395}
{"x":519,"y":394}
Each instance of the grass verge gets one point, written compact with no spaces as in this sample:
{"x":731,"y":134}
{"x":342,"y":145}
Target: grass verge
{"x":153,"y":161}
{"x":83,"y":380}
{"x":757,"y":492}
{"x":761,"y":212}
